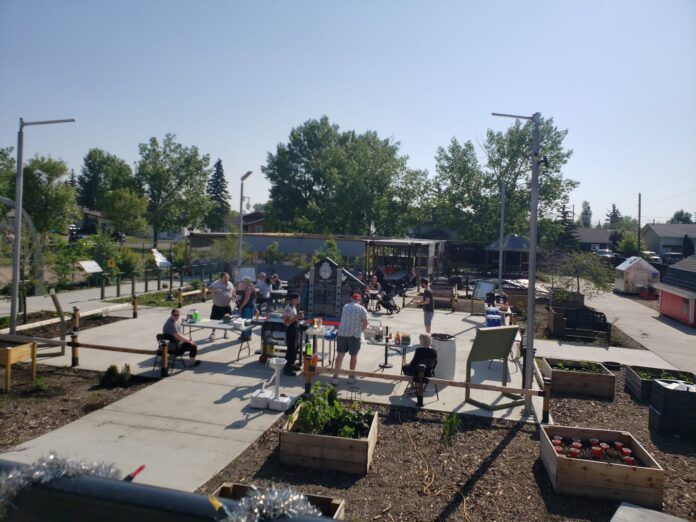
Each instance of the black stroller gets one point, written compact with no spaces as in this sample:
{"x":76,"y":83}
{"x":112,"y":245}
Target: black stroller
{"x":387,"y":301}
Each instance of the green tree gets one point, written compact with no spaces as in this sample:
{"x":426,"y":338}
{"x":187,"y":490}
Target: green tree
{"x":568,"y":240}
{"x":62,"y":258}
{"x":628,"y":245}
{"x":105,"y":252}
{"x":219,"y":197}
{"x":225,"y":249}
{"x":613,"y":218}
{"x":102,"y":173}
{"x":47,"y":198}
{"x":273,"y":255}
{"x":126,"y":210}
{"x":680,"y":216}
{"x":329,"y":249}
{"x":586,"y":215}
{"x":582,"y":272}
{"x":175,"y":179}
{"x":687,"y":246}
{"x":8,"y":168}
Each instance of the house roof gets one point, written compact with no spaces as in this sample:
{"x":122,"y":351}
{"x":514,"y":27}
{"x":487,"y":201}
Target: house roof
{"x":636,"y":263}
{"x":511,"y":243}
{"x":249,"y":219}
{"x":593,"y":235}
{"x":672,"y":230}
{"x":682,"y":274}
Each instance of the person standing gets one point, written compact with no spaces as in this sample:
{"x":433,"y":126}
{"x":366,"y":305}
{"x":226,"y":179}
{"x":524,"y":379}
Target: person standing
{"x":291,"y":320}
{"x":264,"y":290}
{"x":427,"y":304}
{"x":223,"y":293}
{"x":353,"y":322}
{"x":246,"y":306}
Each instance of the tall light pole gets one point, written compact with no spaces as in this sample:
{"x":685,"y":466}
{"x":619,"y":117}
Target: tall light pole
{"x":19,"y":192}
{"x":241,"y":220}
{"x":502,"y":235}
{"x":531,"y":290}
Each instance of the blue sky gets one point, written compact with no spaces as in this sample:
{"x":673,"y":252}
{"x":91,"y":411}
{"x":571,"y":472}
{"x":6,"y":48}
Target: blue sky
{"x":234,"y":77}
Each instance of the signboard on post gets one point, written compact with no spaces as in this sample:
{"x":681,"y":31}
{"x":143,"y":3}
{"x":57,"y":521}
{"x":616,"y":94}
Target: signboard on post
{"x":90,"y":266}
{"x":160,"y":260}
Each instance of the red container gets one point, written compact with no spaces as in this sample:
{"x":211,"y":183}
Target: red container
{"x":559,"y":450}
{"x":576,"y":439}
{"x":594,"y":442}
{"x":604,"y":446}
{"x":574,"y":453}
{"x":558,"y":438}
{"x":556,"y":442}
{"x":630,"y":461}
{"x":577,"y":445}
{"x":618,"y":445}
{"x":626,"y":452}
{"x":596,"y":451}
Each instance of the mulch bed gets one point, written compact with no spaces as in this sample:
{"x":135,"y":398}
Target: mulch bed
{"x":490,"y":471}
{"x":60,"y":396}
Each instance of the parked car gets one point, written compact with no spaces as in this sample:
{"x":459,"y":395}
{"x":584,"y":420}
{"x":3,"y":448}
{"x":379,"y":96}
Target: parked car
{"x":672,"y":257}
{"x":604,"y":252}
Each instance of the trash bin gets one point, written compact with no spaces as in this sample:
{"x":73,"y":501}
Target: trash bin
{"x":446,"y":348}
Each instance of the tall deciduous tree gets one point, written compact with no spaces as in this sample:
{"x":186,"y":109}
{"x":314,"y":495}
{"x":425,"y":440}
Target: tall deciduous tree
{"x":101,"y":173}
{"x":47,"y":198}
{"x":219,"y":198}
{"x":8,"y":167}
{"x":586,"y":215}
{"x":175,"y":179}
{"x":680,"y":216}
{"x":126,"y":210}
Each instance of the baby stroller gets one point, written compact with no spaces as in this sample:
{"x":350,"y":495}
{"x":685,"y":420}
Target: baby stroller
{"x":387,"y":302}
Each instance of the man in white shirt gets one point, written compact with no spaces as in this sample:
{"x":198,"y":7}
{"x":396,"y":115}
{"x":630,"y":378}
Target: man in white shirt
{"x":353,"y":322}
{"x":223,"y":293}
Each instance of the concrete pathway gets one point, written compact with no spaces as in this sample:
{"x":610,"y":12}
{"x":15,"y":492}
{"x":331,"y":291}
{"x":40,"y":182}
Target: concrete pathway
{"x":579,"y":352}
{"x":669,"y":339}
{"x":187,"y":427}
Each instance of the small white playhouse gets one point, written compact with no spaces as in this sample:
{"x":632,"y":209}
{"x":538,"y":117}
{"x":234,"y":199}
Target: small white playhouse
{"x":633,"y":274}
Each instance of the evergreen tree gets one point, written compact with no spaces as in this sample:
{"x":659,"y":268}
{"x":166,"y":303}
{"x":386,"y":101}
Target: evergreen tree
{"x":613,"y":218}
{"x":219,"y":198}
{"x":72,"y":180}
{"x":687,"y":246}
{"x":567,"y":240}
{"x":586,"y":215}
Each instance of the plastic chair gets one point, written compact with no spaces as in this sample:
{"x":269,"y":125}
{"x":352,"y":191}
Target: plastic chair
{"x":490,"y":344}
{"x":162,"y":341}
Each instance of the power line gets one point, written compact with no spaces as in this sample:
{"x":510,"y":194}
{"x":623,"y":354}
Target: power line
{"x":674,"y":196}
{"x":667,"y":183}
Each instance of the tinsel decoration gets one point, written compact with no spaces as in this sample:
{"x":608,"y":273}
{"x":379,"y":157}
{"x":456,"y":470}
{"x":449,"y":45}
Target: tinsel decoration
{"x":45,"y":470}
{"x":270,"y":504}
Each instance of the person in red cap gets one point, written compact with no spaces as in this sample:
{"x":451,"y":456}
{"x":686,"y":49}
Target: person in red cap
{"x":353,"y":322}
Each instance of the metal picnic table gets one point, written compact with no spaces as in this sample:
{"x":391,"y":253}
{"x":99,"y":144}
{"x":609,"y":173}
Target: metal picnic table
{"x":218,"y":324}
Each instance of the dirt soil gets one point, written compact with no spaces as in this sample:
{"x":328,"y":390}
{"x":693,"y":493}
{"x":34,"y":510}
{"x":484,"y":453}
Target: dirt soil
{"x":652,"y":304}
{"x":491,"y":470}
{"x":59,"y":396}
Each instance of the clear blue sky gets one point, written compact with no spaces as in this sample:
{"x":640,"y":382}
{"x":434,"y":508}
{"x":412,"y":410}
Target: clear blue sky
{"x":234,"y":77}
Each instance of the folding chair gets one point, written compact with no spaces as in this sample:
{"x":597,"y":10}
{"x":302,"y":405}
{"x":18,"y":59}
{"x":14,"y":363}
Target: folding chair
{"x":491,"y":344}
{"x":430,"y":365}
{"x":162,"y":341}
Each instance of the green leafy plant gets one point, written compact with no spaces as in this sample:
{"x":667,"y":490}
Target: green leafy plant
{"x":322,"y":413}
{"x":450,"y":426}
{"x":41,"y":384}
{"x":582,"y":367}
{"x":649,"y":375}
{"x":112,"y":378}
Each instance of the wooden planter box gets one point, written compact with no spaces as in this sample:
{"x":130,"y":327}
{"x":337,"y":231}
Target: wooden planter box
{"x":14,"y":352}
{"x":325,"y":451}
{"x":588,"y":478}
{"x":672,"y":412}
{"x":641,"y":389}
{"x":590,"y":384}
{"x":333,"y":508}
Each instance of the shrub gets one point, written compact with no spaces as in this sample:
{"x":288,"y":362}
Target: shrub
{"x":450,"y":427}
{"x":112,"y":378}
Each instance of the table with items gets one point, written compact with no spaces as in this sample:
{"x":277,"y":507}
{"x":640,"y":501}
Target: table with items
{"x":236,"y":325}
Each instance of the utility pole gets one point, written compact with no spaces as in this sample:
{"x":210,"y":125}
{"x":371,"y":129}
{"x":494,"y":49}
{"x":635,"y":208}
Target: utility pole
{"x":502,"y":235}
{"x":639,"y":223}
{"x":533,"y":217}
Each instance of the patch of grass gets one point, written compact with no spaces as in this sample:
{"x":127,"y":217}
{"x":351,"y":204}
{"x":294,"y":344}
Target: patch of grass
{"x":450,"y":426}
{"x":41,"y":384}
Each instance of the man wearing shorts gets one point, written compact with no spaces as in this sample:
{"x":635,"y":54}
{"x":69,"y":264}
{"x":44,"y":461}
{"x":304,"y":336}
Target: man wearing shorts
{"x":427,"y":304}
{"x":353,"y":322}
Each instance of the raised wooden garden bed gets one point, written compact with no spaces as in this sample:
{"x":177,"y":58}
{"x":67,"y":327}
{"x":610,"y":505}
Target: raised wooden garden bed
{"x":14,"y":352}
{"x":639,"y":380}
{"x":580,"y":377}
{"x":672,"y":412}
{"x":642,"y":483}
{"x":325,"y":451}
{"x":333,"y":508}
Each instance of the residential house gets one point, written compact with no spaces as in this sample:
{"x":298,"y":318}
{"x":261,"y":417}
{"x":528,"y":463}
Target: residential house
{"x":592,"y":239}
{"x":253,"y":222}
{"x":666,"y":238}
{"x":678,"y":291}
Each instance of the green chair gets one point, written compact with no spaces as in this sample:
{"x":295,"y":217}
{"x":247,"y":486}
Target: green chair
{"x":491,"y":344}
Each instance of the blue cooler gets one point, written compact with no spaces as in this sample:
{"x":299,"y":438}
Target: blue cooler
{"x":492,"y":310}
{"x":493,"y":320}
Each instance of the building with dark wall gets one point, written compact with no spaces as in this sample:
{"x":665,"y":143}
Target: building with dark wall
{"x":666,"y":238}
{"x":592,"y":239}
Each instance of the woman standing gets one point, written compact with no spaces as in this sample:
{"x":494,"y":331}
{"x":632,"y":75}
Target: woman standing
{"x":247,"y":304}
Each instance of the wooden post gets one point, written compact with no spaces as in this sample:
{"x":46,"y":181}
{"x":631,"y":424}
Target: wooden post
{"x":147,"y":279}
{"x":135,"y":306}
{"x":159,"y":279}
{"x":308,"y":376}
{"x":204,"y":293}
{"x":103,"y":287}
{"x":33,"y":362}
{"x":133,"y":283}
{"x":180,"y":297}
{"x":118,"y":284}
{"x":76,"y":318}
{"x":75,"y":349}
{"x":164,"y":370}
{"x":420,"y":387}
{"x":403,"y":299}
{"x":181,"y":276}
{"x":547,"y":401}
{"x":8,"y":372}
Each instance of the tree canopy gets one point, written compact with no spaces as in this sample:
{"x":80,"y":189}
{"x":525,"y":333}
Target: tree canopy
{"x":585,"y":220}
{"x":102,"y":173}
{"x":680,"y":216}
{"x":219,"y":199}
{"x":126,"y":210}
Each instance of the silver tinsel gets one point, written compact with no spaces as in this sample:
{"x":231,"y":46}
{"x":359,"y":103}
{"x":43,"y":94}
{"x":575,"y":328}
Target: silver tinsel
{"x":45,"y":470}
{"x":270,"y":504}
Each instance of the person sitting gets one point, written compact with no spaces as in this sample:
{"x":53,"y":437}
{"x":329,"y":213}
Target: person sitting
{"x":275,"y":282}
{"x":178,"y":343}
{"x":423,"y":353}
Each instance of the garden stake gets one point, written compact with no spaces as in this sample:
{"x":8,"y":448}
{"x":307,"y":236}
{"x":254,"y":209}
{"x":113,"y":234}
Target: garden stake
{"x":547,"y":401}
{"x":135,"y":306}
{"x":420,"y":387}
{"x":75,"y":349}
{"x":103,"y":288}
{"x":76,"y":318}
{"x":118,"y":284}
{"x":164,"y":370}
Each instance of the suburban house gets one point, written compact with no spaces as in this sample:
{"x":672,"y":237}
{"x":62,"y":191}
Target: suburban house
{"x":678,"y":291}
{"x":666,"y":238}
{"x":592,"y":239}
{"x":252,"y":222}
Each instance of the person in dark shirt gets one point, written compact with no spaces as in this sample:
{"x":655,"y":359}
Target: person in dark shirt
{"x":423,"y":352}
{"x":381,"y":277}
{"x":427,"y":304}
{"x":178,"y":343}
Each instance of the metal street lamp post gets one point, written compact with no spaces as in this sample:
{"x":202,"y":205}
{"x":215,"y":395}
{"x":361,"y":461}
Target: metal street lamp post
{"x":241,"y":220}
{"x":19,"y":192}
{"x":531,"y":290}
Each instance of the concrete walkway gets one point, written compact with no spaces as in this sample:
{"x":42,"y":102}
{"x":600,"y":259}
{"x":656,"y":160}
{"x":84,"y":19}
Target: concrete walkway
{"x":579,"y":352}
{"x":669,"y":339}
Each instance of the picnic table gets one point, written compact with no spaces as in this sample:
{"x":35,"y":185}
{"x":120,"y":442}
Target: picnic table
{"x":218,"y":324}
